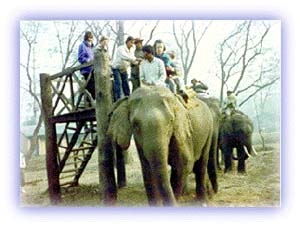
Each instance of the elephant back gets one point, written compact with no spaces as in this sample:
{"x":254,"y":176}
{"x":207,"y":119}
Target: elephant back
{"x":214,"y":105}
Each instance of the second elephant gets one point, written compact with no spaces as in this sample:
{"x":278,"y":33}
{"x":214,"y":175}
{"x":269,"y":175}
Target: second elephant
{"x":166,"y":132}
{"x":236,"y":132}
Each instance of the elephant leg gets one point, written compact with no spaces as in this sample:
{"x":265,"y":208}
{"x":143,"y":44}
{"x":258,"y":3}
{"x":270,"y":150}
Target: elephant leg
{"x":175,"y":183}
{"x":121,"y":171}
{"x":200,"y":170}
{"x":149,"y":183}
{"x":178,"y":171}
{"x":228,"y":163}
{"x":160,"y":172}
{"x":227,"y":152}
{"x":241,"y":159}
{"x":212,"y":164}
{"x":212,"y":173}
{"x":178,"y":181}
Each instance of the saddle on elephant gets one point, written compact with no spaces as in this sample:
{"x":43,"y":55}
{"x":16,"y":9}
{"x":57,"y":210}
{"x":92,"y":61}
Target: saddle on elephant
{"x":191,"y":102}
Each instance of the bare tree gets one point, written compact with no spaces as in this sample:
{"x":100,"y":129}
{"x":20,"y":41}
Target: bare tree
{"x":260,"y":101}
{"x":146,"y":30}
{"x":188,"y":38}
{"x":98,"y":28}
{"x":67,"y":41}
{"x":29,"y":33}
{"x":240,"y":55}
{"x":119,"y":32}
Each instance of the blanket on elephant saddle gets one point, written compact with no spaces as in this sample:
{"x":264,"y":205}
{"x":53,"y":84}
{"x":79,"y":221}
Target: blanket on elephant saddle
{"x":192,"y":100}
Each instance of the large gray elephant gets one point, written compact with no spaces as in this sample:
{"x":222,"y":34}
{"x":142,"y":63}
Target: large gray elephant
{"x":236,"y":132}
{"x":167,"y":131}
{"x":214,"y":106}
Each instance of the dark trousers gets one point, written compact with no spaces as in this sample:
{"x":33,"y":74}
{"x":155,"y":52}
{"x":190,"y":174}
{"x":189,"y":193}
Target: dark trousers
{"x":135,"y":80}
{"x":120,"y":78}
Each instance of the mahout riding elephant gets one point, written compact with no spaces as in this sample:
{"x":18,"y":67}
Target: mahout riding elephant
{"x":167,"y":131}
{"x":236,"y":132}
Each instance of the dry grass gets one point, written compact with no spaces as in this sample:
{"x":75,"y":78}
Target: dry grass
{"x":260,"y":187}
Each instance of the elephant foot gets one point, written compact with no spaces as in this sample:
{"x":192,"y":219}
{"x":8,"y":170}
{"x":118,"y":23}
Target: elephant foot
{"x":242,"y":172}
{"x":121,"y":184}
{"x":228,"y":170}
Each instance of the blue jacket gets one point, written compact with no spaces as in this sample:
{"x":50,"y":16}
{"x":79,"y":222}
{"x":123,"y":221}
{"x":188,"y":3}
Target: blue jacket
{"x":166,"y":59}
{"x":85,"y":54}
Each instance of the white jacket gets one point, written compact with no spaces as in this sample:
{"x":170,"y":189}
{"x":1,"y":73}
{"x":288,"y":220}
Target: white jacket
{"x":124,"y":57}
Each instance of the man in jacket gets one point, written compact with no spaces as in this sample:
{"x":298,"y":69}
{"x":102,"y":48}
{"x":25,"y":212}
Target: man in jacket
{"x":124,"y":58}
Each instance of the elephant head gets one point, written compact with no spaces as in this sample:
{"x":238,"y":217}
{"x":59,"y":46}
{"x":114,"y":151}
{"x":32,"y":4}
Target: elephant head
{"x":236,"y":132}
{"x":164,"y":134}
{"x":120,"y":129}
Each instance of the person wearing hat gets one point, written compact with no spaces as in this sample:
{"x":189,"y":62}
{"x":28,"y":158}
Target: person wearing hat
{"x":124,"y":58}
{"x":85,"y":55}
{"x":229,"y":104}
{"x":138,"y":53}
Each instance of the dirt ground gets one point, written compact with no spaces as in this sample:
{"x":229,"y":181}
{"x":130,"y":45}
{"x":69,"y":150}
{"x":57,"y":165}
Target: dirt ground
{"x":259,"y":187}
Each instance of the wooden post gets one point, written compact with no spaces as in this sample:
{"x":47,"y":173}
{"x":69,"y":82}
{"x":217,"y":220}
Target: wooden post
{"x":50,"y":135}
{"x":102,"y":74}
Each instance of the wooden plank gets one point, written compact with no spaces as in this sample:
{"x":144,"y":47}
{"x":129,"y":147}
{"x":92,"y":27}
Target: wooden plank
{"x":70,"y":70}
{"x":82,"y":148}
{"x":69,"y":171}
{"x":72,"y":163}
{"x":67,"y":176}
{"x":83,"y":115}
{"x":68,"y":183}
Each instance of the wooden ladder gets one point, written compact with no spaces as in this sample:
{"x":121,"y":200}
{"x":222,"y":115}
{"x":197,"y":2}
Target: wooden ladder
{"x":75,"y":151}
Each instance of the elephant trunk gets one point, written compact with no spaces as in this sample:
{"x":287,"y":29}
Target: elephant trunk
{"x":233,"y":155}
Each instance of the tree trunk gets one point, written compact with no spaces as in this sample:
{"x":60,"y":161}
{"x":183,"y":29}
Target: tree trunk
{"x":34,"y":141}
{"x":121,"y":38}
{"x":262,"y":139}
{"x":103,"y":105}
{"x":51,"y":146}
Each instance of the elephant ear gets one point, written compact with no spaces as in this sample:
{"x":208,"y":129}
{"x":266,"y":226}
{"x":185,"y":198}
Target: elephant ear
{"x":119,"y":127}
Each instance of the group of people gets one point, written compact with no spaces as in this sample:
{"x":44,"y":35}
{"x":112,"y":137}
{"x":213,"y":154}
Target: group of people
{"x":149,"y":65}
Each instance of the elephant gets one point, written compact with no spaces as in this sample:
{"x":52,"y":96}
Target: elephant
{"x":236,"y":132}
{"x":167,"y":132}
{"x":214,"y":106}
